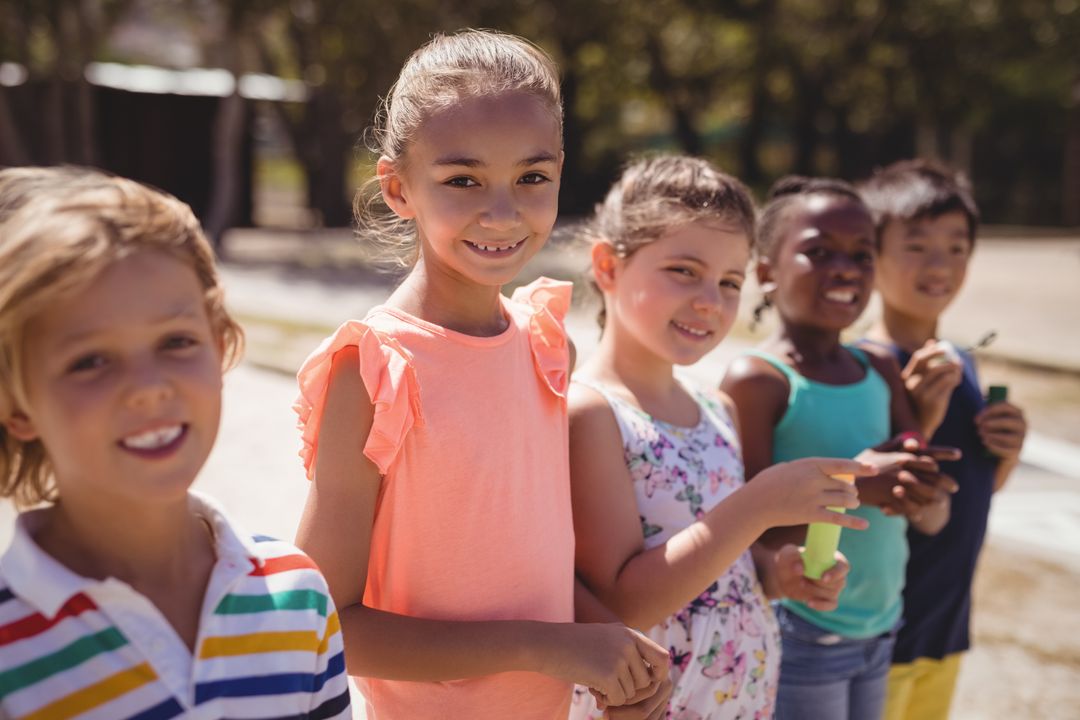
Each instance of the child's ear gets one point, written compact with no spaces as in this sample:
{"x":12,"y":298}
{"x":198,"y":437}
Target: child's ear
{"x":604,"y":264}
{"x":20,"y":427}
{"x":393,"y":191}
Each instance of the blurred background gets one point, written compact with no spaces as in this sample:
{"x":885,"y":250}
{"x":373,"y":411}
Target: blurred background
{"x":254,"y":113}
{"x":251,"y":110}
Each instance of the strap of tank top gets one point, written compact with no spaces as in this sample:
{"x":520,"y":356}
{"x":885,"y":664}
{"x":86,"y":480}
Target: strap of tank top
{"x":711,"y":408}
{"x":860,"y":356}
{"x":792,"y":375}
{"x":598,"y":387}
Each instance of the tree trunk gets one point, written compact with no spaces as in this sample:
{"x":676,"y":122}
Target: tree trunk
{"x":225,"y":183}
{"x":749,"y":163}
{"x":1070,"y":199}
{"x":665,"y":84}
{"x":808,"y":97}
{"x":13,"y":150}
{"x":326,"y":159}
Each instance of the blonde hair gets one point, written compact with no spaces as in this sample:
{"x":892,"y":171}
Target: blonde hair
{"x":442,"y":72}
{"x":59,"y":229}
{"x":658,"y":193}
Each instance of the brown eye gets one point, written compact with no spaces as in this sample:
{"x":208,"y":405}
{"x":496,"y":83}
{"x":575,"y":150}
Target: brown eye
{"x":87,"y":363}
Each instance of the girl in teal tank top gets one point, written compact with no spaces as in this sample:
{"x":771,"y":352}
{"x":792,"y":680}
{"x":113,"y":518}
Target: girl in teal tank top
{"x":809,"y":395}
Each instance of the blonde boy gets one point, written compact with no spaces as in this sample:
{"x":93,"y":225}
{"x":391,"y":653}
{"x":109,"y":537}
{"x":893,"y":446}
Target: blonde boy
{"x":127,"y":595}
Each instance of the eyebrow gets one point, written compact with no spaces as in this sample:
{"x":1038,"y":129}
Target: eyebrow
{"x":698,"y":261}
{"x":463,"y":161}
{"x":186,"y":312}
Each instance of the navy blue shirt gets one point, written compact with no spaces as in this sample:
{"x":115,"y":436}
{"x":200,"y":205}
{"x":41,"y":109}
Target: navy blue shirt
{"x":941,"y":568}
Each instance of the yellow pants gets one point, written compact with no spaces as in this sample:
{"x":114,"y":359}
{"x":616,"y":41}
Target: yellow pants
{"x":922,"y":690}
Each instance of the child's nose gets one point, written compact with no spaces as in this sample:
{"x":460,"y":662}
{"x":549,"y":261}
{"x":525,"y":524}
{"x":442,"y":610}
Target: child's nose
{"x":501,"y":213}
{"x":150,"y":388}
{"x":848,"y":268}
{"x":708,"y":300}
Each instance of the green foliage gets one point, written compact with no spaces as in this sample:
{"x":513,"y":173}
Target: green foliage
{"x":765,"y":87}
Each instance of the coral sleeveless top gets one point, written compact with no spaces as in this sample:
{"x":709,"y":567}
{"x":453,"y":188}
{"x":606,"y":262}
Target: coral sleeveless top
{"x":473,"y":520}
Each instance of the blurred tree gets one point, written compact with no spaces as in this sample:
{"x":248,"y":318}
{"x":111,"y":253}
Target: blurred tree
{"x":54,"y":40}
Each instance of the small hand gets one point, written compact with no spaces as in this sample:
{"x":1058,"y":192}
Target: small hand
{"x":1002,"y":429}
{"x":612,"y":660}
{"x":821,"y":595}
{"x":930,"y":377}
{"x":649,"y":704}
{"x":802,"y":491}
{"x":907,"y":482}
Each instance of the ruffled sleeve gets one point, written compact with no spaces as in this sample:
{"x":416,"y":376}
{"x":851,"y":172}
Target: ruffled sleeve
{"x":550,"y":301}
{"x":388,"y":375}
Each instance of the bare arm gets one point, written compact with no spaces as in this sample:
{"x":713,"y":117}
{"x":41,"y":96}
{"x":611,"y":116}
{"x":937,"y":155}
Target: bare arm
{"x":927,"y":517}
{"x":759,"y":393}
{"x":341,"y":504}
{"x":643,"y":586}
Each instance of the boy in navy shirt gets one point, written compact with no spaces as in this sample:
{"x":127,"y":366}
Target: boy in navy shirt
{"x":926,"y":221}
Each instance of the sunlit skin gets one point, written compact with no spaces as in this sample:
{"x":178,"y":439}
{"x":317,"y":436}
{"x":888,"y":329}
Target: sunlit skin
{"x":124,"y":391}
{"x":483,"y":173}
{"x":669,"y":303}
{"x":825,"y":263}
{"x":922,"y":267}
{"x":819,"y":276}
{"x":672,"y":301}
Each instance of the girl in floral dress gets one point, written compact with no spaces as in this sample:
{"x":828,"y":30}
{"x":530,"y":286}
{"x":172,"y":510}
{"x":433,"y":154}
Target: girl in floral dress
{"x":663,"y":518}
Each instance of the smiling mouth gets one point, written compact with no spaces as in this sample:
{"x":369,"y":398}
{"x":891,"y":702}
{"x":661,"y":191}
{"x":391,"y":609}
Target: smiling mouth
{"x":934,"y":290}
{"x":843,"y":297}
{"x":697,"y":333}
{"x":495,"y":249}
{"x":155,"y":443}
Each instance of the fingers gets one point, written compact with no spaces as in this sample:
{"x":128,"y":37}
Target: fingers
{"x":941,"y":453}
{"x":852,"y":522}
{"x":820,"y":594}
{"x":658,"y":702}
{"x":1000,"y":409}
{"x":848,"y":498}
{"x":651,"y":707}
{"x":658,"y":658}
{"x":1006,"y":445}
{"x":842,"y":466}
{"x":640,"y":676}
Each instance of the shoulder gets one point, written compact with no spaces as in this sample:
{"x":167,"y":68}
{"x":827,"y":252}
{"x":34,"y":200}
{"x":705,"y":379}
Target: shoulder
{"x":587,"y":407}
{"x":882,"y":360}
{"x":754,"y":375}
{"x":284,"y":566}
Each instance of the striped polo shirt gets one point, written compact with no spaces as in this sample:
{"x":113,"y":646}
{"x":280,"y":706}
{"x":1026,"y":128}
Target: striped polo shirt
{"x":269,"y":642}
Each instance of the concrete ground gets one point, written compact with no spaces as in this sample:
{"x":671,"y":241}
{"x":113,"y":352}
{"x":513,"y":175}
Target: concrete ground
{"x":1026,"y":660}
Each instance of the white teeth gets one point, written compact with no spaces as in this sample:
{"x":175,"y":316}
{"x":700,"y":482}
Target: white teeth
{"x":843,"y":296}
{"x":493,"y":249}
{"x":153,"y":439}
{"x":692,"y":331}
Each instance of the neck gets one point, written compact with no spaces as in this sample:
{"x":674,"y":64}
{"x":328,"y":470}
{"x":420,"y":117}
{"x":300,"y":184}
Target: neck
{"x":905,"y":331}
{"x":810,"y":344}
{"x":619,"y":357}
{"x":451,"y":302}
{"x":108,"y":537}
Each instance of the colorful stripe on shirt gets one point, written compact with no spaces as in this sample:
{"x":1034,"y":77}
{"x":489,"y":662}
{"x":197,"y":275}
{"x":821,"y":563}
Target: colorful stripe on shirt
{"x":271,"y":648}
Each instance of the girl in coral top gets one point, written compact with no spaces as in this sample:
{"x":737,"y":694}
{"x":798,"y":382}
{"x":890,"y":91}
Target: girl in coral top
{"x":435,"y":430}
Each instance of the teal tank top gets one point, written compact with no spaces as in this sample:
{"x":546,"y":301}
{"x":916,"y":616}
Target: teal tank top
{"x":841,"y":421}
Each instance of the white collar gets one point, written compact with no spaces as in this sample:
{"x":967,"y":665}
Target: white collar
{"x":46,"y":584}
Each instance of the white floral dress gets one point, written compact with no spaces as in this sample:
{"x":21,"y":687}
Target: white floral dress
{"x":725,"y":644}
